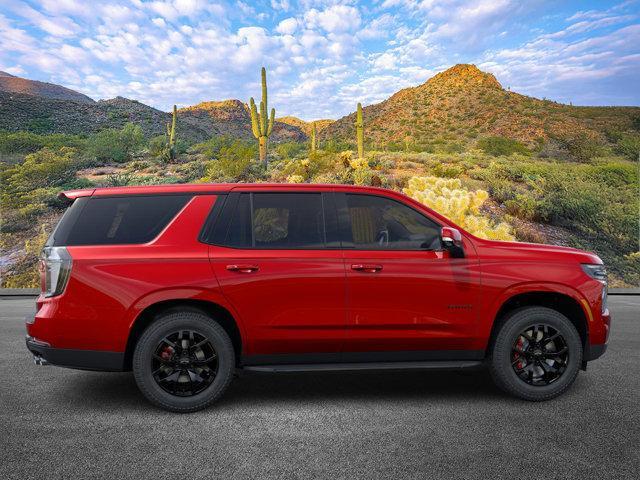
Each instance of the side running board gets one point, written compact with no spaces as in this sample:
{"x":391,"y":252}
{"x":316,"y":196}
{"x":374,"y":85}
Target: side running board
{"x":330,"y":367}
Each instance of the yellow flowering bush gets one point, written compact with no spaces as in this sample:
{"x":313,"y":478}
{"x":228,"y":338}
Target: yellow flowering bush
{"x":295,"y":179}
{"x":448,"y":197}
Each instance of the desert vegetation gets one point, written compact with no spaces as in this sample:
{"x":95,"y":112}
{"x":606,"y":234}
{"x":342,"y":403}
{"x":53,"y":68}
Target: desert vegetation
{"x":567,"y":185}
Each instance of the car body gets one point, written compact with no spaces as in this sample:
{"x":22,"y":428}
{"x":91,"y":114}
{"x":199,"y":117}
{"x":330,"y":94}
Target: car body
{"x":331,"y":294}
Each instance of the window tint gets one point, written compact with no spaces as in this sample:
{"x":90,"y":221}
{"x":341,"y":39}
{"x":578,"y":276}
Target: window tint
{"x":121,"y":220}
{"x":280,"y":220}
{"x":379,"y":223}
{"x":239,"y":234}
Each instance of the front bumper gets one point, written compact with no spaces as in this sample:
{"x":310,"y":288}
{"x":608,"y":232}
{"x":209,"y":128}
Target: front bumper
{"x":44,"y":354}
{"x":595,"y":351}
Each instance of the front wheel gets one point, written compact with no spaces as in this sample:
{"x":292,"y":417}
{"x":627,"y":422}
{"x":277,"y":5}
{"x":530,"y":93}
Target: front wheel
{"x":536,"y":354}
{"x":184,"y":361}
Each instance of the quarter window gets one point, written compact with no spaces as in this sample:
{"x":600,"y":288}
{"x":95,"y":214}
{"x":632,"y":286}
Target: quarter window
{"x":117,"y":220}
{"x":379,"y":223}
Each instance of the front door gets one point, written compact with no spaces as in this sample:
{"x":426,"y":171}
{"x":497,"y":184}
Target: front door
{"x":407,"y":298}
{"x":278,"y":269}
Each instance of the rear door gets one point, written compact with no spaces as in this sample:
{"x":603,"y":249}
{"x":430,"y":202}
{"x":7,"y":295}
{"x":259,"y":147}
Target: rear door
{"x":407,"y":298}
{"x":279,"y":264}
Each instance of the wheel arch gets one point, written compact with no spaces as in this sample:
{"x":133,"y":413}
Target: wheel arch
{"x":212,"y":309}
{"x":561,"y":301}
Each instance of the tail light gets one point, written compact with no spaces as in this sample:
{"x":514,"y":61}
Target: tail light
{"x":55,"y":269}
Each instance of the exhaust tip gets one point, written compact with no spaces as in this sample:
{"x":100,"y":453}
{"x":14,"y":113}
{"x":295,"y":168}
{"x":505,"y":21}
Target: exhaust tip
{"x":38,"y":360}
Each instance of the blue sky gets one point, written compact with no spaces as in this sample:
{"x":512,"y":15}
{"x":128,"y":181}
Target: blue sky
{"x":321,"y":56}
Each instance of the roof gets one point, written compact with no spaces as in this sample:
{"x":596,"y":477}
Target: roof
{"x":211,"y":188}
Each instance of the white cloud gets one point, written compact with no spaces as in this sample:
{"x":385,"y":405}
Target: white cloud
{"x":379,"y":27}
{"x":335,"y":19}
{"x":386,"y":61}
{"x":280,"y":5}
{"x":56,"y":26}
{"x":287,"y":26}
{"x":15,"y":70}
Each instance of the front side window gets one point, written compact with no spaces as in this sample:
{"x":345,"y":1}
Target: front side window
{"x":379,"y":223}
{"x":277,"y":220}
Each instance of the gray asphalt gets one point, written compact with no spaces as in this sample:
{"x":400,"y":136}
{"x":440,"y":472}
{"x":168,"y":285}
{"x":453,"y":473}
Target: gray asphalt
{"x":57,"y":423}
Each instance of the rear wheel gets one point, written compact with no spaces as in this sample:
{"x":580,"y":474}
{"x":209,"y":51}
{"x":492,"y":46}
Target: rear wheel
{"x":184,"y":361}
{"x":536,"y":355}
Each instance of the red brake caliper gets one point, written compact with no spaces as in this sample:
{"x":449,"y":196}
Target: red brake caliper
{"x":167,"y":353}
{"x":521,"y":364}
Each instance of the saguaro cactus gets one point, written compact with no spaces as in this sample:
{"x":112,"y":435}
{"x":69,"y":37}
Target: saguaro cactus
{"x":314,"y":138}
{"x":260,"y":124}
{"x":360,"y":132}
{"x":171,"y":136}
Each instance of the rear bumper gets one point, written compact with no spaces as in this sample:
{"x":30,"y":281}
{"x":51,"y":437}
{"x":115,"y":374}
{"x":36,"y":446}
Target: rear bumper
{"x":79,"y":359}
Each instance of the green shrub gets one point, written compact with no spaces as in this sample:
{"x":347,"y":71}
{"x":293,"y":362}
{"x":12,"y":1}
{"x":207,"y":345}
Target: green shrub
{"x":629,"y":146}
{"x":289,"y":150}
{"x":116,"y":145}
{"x":157,"y":145}
{"x":498,"y":146}
{"x":523,"y":206}
{"x":232,"y":163}
{"x":43,"y":169}
{"x":211,"y":148}
{"x":581,"y":146}
{"x":447,"y":170}
{"x":40,"y":125}
{"x":28,"y":142}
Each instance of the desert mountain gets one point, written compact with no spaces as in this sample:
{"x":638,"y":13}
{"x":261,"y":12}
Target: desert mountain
{"x":463,"y":103}
{"x":305,"y":126}
{"x":12,"y":84}
{"x":48,"y":108}
{"x":232,"y":117}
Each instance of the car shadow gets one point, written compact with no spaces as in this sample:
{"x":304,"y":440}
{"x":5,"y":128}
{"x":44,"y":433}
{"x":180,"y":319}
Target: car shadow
{"x":119,"y":390}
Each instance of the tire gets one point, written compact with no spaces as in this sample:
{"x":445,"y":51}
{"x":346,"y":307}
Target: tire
{"x":190,"y":394}
{"x":505,"y":363}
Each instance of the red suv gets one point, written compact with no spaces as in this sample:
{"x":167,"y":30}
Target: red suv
{"x":183,"y":284}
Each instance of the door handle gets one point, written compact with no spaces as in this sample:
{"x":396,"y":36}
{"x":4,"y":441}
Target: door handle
{"x":242,"y":268}
{"x":364,"y":267}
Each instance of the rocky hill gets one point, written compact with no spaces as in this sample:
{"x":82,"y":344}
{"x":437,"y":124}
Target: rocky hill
{"x":16,"y":85}
{"x":232,"y":117}
{"x":38,"y":114}
{"x":42,"y":114}
{"x":464,"y":103}
{"x":305,"y":126}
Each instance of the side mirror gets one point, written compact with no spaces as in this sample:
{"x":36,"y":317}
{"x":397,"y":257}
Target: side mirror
{"x":452,"y":241}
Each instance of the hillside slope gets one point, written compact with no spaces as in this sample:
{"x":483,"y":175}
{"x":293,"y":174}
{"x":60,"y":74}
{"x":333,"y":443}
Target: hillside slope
{"x":306,"y":126}
{"x":12,"y":84}
{"x":463,"y":103}
{"x":232,"y":118}
{"x":20,"y":111}
{"x":47,"y":115}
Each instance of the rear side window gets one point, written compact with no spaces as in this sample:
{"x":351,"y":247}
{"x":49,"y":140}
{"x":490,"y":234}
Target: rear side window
{"x":117,"y":220}
{"x":277,"y":220}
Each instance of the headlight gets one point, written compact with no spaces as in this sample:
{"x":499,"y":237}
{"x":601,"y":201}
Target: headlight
{"x":56,"y":268}
{"x":598,"y":272}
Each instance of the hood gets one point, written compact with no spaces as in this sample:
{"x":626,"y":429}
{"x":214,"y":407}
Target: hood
{"x":535,"y":251}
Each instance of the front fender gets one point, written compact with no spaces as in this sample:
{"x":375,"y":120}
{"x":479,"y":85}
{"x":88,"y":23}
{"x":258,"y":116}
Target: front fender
{"x":536,"y":287}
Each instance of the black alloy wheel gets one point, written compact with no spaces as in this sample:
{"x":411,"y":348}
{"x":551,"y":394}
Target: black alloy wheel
{"x":184,"y":363}
{"x":536,"y":353}
{"x":540,"y":355}
{"x":184,"y":360}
